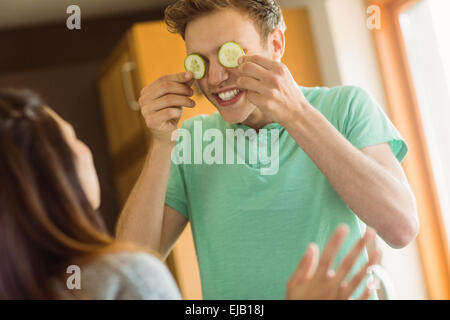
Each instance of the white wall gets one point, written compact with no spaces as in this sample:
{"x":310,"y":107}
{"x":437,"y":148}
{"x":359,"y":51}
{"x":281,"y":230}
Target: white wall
{"x":347,"y":56}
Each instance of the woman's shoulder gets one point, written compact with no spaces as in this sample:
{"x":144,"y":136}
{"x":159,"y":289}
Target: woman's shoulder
{"x":123,"y":276}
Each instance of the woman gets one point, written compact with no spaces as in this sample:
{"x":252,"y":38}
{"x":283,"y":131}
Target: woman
{"x":48,"y":221}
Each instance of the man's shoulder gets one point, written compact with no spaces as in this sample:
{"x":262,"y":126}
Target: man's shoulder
{"x":343,"y":93}
{"x":336,"y":103}
{"x":124,"y":275}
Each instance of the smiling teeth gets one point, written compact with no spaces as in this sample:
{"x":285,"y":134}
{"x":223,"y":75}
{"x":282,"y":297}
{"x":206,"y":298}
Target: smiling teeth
{"x":228,"y":95}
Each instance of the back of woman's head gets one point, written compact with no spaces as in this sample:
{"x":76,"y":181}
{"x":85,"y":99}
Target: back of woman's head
{"x":46,"y":220}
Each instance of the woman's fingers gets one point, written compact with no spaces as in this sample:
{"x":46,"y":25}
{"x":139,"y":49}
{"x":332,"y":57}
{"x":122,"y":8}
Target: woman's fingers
{"x":366,"y":294}
{"x":351,"y":258}
{"x":371,"y":286}
{"x":331,"y":250}
{"x":351,"y":286}
{"x":307,"y":265}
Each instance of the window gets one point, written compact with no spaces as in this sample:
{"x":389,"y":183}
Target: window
{"x":413,"y":54}
{"x":425,"y":28}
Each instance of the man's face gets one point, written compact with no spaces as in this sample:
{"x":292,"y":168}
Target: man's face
{"x":205,"y":36}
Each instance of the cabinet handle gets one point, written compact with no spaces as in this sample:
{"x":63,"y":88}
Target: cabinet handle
{"x":128,"y":87}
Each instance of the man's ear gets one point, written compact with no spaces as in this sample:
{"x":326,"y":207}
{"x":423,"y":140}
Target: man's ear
{"x":277,"y":44}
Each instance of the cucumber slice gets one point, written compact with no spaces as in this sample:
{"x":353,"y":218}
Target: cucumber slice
{"x":229,"y":54}
{"x":196,"y":65}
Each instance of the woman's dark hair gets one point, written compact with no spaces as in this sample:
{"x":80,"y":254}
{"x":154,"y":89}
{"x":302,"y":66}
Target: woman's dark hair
{"x":46,"y":220}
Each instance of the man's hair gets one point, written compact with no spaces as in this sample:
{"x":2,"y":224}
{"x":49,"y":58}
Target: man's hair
{"x":266,"y":14}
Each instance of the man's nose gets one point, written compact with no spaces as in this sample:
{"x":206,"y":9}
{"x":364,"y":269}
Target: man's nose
{"x":217,"y":73}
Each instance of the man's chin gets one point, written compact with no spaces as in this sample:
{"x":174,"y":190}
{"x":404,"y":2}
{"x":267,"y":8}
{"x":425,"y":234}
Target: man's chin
{"x":235,"y":116}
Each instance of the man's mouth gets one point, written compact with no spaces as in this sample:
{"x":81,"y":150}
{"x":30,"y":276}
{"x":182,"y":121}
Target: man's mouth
{"x":228,"y":97}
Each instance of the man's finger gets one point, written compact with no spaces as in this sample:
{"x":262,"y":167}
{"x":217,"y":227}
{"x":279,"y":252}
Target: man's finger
{"x":185,"y":78}
{"x":250,"y":84}
{"x":257,"y":99}
{"x":158,"y":119}
{"x":182,"y":77}
{"x":172,"y":100}
{"x":331,"y":250}
{"x":253,"y":70}
{"x":165,"y":88}
{"x":264,"y":62}
{"x":189,"y":83}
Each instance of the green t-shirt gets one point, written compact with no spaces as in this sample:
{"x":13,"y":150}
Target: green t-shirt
{"x":251,"y":229}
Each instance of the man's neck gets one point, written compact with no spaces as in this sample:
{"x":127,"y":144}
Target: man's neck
{"x":256,"y":120}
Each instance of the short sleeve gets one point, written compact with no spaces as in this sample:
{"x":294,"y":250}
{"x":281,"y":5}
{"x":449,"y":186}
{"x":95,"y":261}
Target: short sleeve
{"x":366,"y":123}
{"x":123,"y":276}
{"x":147,"y":278}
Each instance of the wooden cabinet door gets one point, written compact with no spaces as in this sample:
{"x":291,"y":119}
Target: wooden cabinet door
{"x":125,"y":128}
{"x":300,"y":55}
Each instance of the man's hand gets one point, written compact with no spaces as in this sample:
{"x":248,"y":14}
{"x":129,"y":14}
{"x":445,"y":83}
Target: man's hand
{"x":316,"y":280}
{"x":162,"y":102}
{"x":271,"y":87}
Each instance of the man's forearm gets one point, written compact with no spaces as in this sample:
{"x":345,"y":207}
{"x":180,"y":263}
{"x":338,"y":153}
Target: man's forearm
{"x":142,"y":216}
{"x":379,"y":199}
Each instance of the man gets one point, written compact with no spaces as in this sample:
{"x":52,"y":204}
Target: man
{"x":338,"y":160}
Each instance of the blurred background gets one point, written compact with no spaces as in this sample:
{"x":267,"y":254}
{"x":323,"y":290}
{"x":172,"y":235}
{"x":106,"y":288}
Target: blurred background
{"x":398,"y":50}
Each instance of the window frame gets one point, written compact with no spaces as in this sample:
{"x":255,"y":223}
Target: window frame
{"x":405,"y":114}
